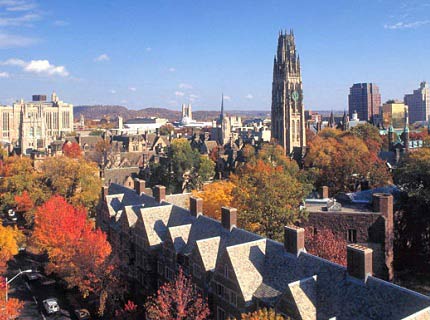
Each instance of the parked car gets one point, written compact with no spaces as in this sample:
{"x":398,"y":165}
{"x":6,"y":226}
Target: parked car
{"x":82,"y":314}
{"x":11,"y":215}
{"x":51,"y":305}
{"x":33,"y":276}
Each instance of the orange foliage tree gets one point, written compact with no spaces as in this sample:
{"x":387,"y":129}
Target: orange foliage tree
{"x":23,"y":202}
{"x":10,"y":240}
{"x":77,"y":253}
{"x":72,"y":150}
{"x":10,"y":309}
{"x":177,"y":300}
{"x":262,"y":314}
{"x":215,"y":195}
{"x":327,"y":245}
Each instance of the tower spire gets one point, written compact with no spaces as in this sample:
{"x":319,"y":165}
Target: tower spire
{"x":222,"y":106}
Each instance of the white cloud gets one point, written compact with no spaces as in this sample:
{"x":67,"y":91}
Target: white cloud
{"x":123,"y":101}
{"x":249,"y":96}
{"x":4,"y":75}
{"x":113,"y":91}
{"x":148,"y":49}
{"x":192,"y":97}
{"x":17,"y":5}
{"x":406,"y":25}
{"x":185,"y":86}
{"x":227,"y":98}
{"x":179,"y":93}
{"x":24,"y":20}
{"x":102,"y":57}
{"x":172,"y":69}
{"x":133,"y":89}
{"x":37,"y":67}
{"x":11,"y":41}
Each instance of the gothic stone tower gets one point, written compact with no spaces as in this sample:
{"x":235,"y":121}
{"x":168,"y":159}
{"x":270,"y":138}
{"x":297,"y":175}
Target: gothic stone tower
{"x":288,"y":114}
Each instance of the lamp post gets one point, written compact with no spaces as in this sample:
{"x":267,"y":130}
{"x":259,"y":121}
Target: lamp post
{"x":13,"y":278}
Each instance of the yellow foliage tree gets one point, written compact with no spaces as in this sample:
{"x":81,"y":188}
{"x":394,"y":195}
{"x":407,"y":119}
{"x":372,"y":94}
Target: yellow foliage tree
{"x":216,"y":195}
{"x":262,"y":314}
{"x":10,"y":241}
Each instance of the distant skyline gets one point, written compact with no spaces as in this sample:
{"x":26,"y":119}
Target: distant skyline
{"x":167,"y":52}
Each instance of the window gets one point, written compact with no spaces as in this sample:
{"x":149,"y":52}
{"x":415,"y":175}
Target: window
{"x":168,"y":274}
{"x":226,"y":272}
{"x":233,"y":298}
{"x":160,"y":268}
{"x":220,"y":290}
{"x":220,"y":314}
{"x":352,"y":235}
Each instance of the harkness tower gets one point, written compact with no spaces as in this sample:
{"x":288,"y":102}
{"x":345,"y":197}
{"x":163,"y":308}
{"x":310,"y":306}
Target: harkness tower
{"x":288,"y":114}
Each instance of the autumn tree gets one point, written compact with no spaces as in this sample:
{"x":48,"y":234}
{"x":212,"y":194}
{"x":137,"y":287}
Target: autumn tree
{"x":72,"y":149}
{"x":262,"y":314}
{"x":10,"y":309}
{"x":77,"y":253}
{"x":269,"y":190}
{"x":325,"y":244}
{"x":10,"y":241}
{"x":177,"y":300}
{"x":23,"y":202}
{"x":76,"y":180}
{"x":215,"y":195}
{"x":130,"y":311}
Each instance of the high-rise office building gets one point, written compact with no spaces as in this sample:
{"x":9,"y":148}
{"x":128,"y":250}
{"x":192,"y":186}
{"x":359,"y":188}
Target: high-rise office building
{"x":419,"y":103}
{"x":288,"y":117}
{"x":365,"y":99}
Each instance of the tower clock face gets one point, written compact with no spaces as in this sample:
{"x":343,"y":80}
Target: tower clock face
{"x":295,"y":96}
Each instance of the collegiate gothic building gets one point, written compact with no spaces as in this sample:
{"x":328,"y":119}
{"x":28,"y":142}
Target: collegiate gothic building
{"x":288,"y":117}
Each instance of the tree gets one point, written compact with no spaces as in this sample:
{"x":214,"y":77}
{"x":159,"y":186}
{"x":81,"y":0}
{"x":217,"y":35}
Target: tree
{"x":10,"y":309}
{"x":269,"y":190}
{"x":177,"y":300}
{"x":76,"y":180}
{"x":10,"y":241}
{"x":215,"y":195}
{"x":205,"y":171}
{"x":325,"y":244}
{"x":72,"y":150}
{"x":262,"y":314}
{"x":130,"y":311}
{"x":23,"y":202}
{"x":413,"y":221}
{"x":77,"y":253}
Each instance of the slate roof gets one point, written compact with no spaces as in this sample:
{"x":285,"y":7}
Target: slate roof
{"x":180,"y":199}
{"x":208,"y":250}
{"x":179,"y":236}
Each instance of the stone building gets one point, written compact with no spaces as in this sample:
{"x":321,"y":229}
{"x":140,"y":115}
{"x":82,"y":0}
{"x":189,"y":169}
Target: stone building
{"x":34,"y":125}
{"x":239,"y":271}
{"x":367,"y":222}
{"x":288,"y":111}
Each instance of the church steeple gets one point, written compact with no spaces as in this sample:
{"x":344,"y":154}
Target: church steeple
{"x":221,"y":115}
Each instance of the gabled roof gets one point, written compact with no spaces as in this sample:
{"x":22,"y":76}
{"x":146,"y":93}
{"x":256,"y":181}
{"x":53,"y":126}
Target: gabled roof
{"x":247,"y":260}
{"x":179,"y":236}
{"x":208,"y":250}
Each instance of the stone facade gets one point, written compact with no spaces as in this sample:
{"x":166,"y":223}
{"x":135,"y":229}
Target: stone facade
{"x":419,"y":103}
{"x":239,"y":271}
{"x":288,"y":111}
{"x":34,"y":125}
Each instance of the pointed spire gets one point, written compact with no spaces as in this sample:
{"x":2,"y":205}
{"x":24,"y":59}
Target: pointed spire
{"x":222,"y":106}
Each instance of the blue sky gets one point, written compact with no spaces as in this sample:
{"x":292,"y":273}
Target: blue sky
{"x":167,"y":52}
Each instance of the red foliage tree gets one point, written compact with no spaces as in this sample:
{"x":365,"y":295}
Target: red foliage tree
{"x":72,"y":150}
{"x":130,"y":311}
{"x":177,"y":300}
{"x":23,"y":202}
{"x":325,"y":244}
{"x":10,"y":309}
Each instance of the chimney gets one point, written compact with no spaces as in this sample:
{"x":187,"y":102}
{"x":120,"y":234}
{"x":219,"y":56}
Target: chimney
{"x":294,"y":239}
{"x":359,"y":261}
{"x":196,"y":206}
{"x":323,"y":192}
{"x":383,"y":202}
{"x":139,"y":186}
{"x":159,"y":193}
{"x":104,"y":192}
{"x":228,"y":217}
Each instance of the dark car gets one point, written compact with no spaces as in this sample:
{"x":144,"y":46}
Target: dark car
{"x":82,"y":314}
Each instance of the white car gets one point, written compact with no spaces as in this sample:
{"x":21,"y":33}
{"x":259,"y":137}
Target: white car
{"x":51,"y":305}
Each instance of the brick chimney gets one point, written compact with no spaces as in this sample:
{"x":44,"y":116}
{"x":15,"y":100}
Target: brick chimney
{"x":383,"y":202}
{"x":323,"y":192}
{"x":228,"y":217}
{"x":294,"y":239}
{"x":139,"y":186}
{"x":159,"y":193}
{"x":196,"y":206}
{"x":359,"y":261}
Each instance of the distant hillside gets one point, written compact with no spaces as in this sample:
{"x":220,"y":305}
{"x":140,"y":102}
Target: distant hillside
{"x":112,"y":112}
